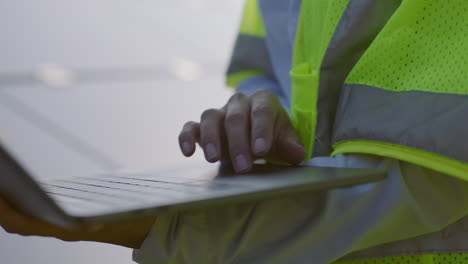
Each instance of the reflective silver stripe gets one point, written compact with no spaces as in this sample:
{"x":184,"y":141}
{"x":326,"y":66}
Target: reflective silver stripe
{"x":433,"y":122}
{"x":250,"y":53}
{"x":280,"y":22}
{"x":451,"y":239}
{"x":360,"y":23}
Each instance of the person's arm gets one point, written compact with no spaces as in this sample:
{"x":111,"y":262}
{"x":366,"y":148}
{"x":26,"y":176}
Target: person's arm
{"x":256,"y":83}
{"x":254,"y":122}
{"x":128,"y":234}
{"x":250,"y":68}
{"x":313,"y":227}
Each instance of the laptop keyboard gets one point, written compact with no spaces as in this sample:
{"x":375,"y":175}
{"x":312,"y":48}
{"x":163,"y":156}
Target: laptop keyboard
{"x":130,"y":190}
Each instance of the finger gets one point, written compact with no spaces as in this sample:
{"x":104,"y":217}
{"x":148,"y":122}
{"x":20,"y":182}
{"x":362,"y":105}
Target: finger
{"x":262,"y":119}
{"x":16,"y":223}
{"x":12,"y":221}
{"x":211,"y":130}
{"x":188,"y":138}
{"x":236,"y":125}
{"x":289,"y":147}
{"x":6,"y":217}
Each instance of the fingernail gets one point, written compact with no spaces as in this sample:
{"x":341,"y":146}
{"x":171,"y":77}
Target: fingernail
{"x":186,"y":147}
{"x":259,"y":145}
{"x":241,"y":163}
{"x":210,"y":151}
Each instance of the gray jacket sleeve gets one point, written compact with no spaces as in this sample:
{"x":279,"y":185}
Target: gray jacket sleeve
{"x":252,"y":84}
{"x":322,"y":227}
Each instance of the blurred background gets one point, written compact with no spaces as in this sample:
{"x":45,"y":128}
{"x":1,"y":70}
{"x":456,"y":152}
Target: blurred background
{"x":95,"y":86}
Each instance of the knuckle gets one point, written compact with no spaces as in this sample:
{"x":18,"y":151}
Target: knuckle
{"x":182,"y":137}
{"x":237,"y":97}
{"x":235,"y":118}
{"x":265,"y":96}
{"x":210,"y":114}
{"x":262,"y":111}
{"x":259,"y":130}
{"x":209,"y":129}
{"x":204,"y":141}
{"x":237,"y":145}
{"x":262,"y":93}
{"x":209,"y":132}
{"x":187,"y":130}
{"x":207,"y":136}
{"x":188,"y":126}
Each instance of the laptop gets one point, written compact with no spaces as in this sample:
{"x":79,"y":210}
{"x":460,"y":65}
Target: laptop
{"x":99,"y":199}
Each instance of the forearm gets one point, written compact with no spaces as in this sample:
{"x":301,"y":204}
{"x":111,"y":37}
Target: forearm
{"x":129,"y":234}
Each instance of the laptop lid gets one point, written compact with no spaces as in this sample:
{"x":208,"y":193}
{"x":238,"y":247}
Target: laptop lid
{"x":23,"y":193}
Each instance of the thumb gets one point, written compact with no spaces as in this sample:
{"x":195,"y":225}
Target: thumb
{"x":290,"y":148}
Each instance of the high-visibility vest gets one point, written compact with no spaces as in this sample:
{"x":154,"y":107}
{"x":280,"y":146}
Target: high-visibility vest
{"x":381,"y":77}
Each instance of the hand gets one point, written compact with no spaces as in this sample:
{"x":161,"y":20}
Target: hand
{"x":247,"y":127}
{"x":128,"y":234}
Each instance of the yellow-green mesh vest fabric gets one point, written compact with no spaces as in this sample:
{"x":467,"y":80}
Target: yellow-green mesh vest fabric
{"x":250,"y":56}
{"x":451,"y":258}
{"x":422,"y":48}
{"x":251,"y":23}
{"x":400,"y":58}
{"x":316,"y":26}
